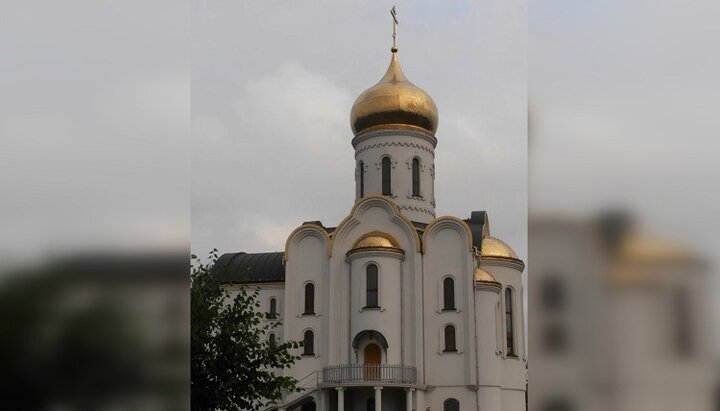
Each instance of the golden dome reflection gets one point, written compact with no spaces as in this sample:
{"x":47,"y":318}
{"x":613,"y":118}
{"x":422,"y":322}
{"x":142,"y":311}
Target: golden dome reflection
{"x":394,"y":102}
{"x":376,"y":239}
{"x":493,"y":247}
{"x":482,"y":276}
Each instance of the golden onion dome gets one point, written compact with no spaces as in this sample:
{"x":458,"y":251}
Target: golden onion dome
{"x":482,"y":276}
{"x":493,"y":247}
{"x":394,"y":102}
{"x":376,"y":239}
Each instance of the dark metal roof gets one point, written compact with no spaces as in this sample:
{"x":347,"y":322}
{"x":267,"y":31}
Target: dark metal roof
{"x":420,"y":226}
{"x":319,"y":223}
{"x":268,"y":267}
{"x":476,"y":223}
{"x":250,"y":268}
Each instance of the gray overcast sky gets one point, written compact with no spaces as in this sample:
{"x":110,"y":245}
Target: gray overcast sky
{"x":95,"y":115}
{"x":272,"y":87}
{"x":94,"y":126}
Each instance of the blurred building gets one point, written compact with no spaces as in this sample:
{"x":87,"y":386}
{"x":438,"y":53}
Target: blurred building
{"x":397,"y":308}
{"x":620,"y":320}
{"x":101,"y":331}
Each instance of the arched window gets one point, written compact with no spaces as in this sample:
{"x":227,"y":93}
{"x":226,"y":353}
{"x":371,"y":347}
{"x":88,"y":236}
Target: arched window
{"x":271,"y":340}
{"x":509,"y":323}
{"x":309,"y":298}
{"x":386,"y":166}
{"x":451,"y":404}
{"x":308,"y":343}
{"x":416,"y":177}
{"x":273,"y":308}
{"x":448,"y":294}
{"x":362,"y":179}
{"x":371,"y":292}
{"x":450,"y":338}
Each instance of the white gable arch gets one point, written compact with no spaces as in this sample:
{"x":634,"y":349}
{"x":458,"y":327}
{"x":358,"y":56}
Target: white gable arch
{"x":375,"y":213}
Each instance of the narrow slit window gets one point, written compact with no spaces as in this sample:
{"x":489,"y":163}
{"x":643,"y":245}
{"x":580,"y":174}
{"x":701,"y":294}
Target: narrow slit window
{"x":416,"y":177}
{"x":273,"y":308}
{"x":309,"y":343}
{"x":386,"y":177}
{"x":372,"y":286}
{"x":309,"y":299}
{"x":450,"y":338}
{"x":362,"y":179}
{"x":509,"y":322}
{"x":448,"y":294}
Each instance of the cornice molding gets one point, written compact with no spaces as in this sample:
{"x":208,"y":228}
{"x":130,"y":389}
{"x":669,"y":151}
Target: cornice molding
{"x":417,"y":209}
{"x":375,"y":252}
{"x":489,"y":286}
{"x":395,"y":144}
{"x":509,"y":262}
{"x":408,"y":132}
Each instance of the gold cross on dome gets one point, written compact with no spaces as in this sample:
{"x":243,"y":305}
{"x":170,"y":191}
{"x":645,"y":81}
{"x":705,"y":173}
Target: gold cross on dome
{"x":393,"y":13}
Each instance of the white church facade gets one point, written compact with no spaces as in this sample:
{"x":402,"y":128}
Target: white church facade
{"x":398,"y":309}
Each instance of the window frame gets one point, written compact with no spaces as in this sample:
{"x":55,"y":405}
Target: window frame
{"x":509,"y":323}
{"x":312,"y":300}
{"x":361,"y":167}
{"x":273,"y":308}
{"x":367,"y":285}
{"x":308,"y":349}
{"x":454,"y":347}
{"x":415,"y":177}
{"x":445,"y":306}
{"x":451,"y":401}
{"x":386,"y":175}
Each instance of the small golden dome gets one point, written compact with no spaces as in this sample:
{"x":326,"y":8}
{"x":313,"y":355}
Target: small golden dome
{"x":647,"y":249}
{"x":394,"y":102}
{"x":492,"y":247}
{"x":482,"y":276}
{"x":376,"y":239}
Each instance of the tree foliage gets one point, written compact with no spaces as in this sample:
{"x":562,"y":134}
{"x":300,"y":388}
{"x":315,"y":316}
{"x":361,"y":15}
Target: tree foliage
{"x":233,"y":364}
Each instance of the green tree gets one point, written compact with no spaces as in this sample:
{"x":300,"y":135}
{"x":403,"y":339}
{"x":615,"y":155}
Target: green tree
{"x":232,"y":364}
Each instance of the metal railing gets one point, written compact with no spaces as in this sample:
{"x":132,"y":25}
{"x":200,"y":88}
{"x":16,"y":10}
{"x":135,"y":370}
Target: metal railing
{"x":309,"y":381}
{"x":370,"y":374}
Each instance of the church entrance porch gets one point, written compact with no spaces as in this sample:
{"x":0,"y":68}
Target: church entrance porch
{"x":371,"y":366}
{"x":371,"y":399}
{"x":371,"y":373}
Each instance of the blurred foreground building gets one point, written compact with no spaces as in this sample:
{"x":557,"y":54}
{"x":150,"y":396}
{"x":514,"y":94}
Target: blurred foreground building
{"x":96,"y":332}
{"x":620,"y":321}
{"x":398,"y":309}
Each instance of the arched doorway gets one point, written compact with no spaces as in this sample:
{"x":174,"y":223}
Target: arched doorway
{"x":372,"y":357}
{"x":308,"y":406}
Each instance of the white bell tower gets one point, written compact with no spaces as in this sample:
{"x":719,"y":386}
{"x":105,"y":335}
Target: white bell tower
{"x":394,"y":123}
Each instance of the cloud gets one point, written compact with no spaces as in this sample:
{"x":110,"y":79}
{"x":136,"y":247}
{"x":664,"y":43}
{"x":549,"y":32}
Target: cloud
{"x":271,"y":234}
{"x":296,"y":110}
{"x":290,"y":125}
{"x":271,"y":116}
{"x":97,"y":172}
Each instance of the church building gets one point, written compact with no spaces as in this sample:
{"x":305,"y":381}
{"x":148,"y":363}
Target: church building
{"x":398,"y":309}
